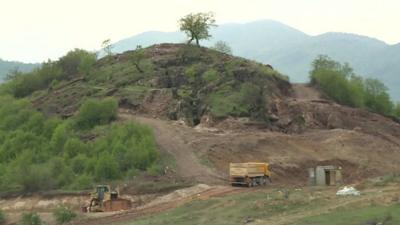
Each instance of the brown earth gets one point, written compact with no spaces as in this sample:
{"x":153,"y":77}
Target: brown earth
{"x":365,"y":144}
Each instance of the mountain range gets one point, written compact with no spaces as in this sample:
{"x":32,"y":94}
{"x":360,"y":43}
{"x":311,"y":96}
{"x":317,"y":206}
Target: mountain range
{"x":287,"y":49}
{"x":7,"y":66}
{"x":291,"y":51}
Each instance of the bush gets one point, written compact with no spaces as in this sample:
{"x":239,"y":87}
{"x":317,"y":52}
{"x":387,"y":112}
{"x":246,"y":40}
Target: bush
{"x":210,"y":75}
{"x":2,"y":218}
{"x":73,"y":147}
{"x":248,"y":101}
{"x":31,"y":219}
{"x":83,"y":182}
{"x":107,"y":167}
{"x":63,"y":214}
{"x":96,"y":112}
{"x":34,"y":177}
{"x":155,"y":169}
{"x":396,"y":110}
{"x":77,"y":61}
{"x":223,"y":47}
{"x":78,"y":163}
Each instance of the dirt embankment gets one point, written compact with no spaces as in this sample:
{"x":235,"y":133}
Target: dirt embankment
{"x":314,"y":131}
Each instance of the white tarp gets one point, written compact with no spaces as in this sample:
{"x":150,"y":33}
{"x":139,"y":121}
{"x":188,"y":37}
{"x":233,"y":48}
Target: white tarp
{"x":348,"y":191}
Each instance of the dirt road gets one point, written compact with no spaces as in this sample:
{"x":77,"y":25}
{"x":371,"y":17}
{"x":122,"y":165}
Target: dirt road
{"x":175,"y":139}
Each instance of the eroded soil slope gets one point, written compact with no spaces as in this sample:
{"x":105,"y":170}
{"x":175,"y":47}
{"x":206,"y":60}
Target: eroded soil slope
{"x":363,"y":143}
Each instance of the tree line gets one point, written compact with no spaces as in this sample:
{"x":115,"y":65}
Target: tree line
{"x":342,"y":84}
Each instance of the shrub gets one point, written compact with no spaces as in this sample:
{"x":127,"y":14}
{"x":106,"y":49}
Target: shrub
{"x":73,"y":147}
{"x":31,"y":219}
{"x":63,"y":214}
{"x":83,"y":182}
{"x":96,"y":112}
{"x":396,"y":110}
{"x":107,"y":167}
{"x":77,"y":61}
{"x":210,"y":75}
{"x":32,"y":177}
{"x":223,"y":47}
{"x":78,"y":163}
{"x":2,"y":218}
{"x":229,"y":102}
{"x":155,"y":169}
{"x":58,"y":138}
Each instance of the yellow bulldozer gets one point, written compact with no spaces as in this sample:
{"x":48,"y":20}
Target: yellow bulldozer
{"x":103,"y":199}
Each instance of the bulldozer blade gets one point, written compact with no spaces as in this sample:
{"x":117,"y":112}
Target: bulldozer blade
{"x":116,"y":205}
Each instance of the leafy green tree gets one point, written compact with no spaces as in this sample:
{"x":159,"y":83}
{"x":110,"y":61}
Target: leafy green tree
{"x":376,"y":97}
{"x":223,"y":47}
{"x":74,"y":146}
{"x":86,"y":64}
{"x":63,"y":214}
{"x":77,"y":62}
{"x":96,"y":112}
{"x":396,"y":110}
{"x":197,"y":26}
{"x":136,"y":58}
{"x":340,"y":83}
{"x":107,"y":47}
{"x":59,"y":137}
{"x":107,"y":167}
{"x":78,"y":163}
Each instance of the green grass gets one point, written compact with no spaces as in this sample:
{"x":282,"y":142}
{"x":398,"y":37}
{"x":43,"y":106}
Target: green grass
{"x":360,"y":216}
{"x":232,"y":210}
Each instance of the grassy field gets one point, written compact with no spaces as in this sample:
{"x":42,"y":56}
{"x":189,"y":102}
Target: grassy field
{"x":234,"y":209}
{"x":369,"y":215}
{"x":310,"y":206}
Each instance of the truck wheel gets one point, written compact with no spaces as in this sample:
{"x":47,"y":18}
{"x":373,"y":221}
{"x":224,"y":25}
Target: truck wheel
{"x":264,"y":181}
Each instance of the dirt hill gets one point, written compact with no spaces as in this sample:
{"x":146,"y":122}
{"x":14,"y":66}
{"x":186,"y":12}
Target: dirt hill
{"x":209,"y":109}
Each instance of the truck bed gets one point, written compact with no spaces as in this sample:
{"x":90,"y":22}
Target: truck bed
{"x":248,"y":169}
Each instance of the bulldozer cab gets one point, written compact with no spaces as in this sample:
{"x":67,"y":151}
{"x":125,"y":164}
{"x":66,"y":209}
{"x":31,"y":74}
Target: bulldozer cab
{"x":101,"y":190}
{"x":103,"y":199}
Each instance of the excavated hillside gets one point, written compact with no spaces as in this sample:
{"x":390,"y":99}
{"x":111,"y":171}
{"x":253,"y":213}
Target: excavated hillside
{"x":208,"y":109}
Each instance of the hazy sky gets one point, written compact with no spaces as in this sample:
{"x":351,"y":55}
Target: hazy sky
{"x":35,"y":30}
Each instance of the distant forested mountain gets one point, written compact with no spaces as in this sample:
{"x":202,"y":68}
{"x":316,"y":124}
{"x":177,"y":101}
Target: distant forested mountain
{"x":291,"y":51}
{"x":6,"y":66}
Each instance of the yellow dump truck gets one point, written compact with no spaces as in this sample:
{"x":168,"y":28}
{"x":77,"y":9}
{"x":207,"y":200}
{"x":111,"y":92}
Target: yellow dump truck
{"x":249,"y":174}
